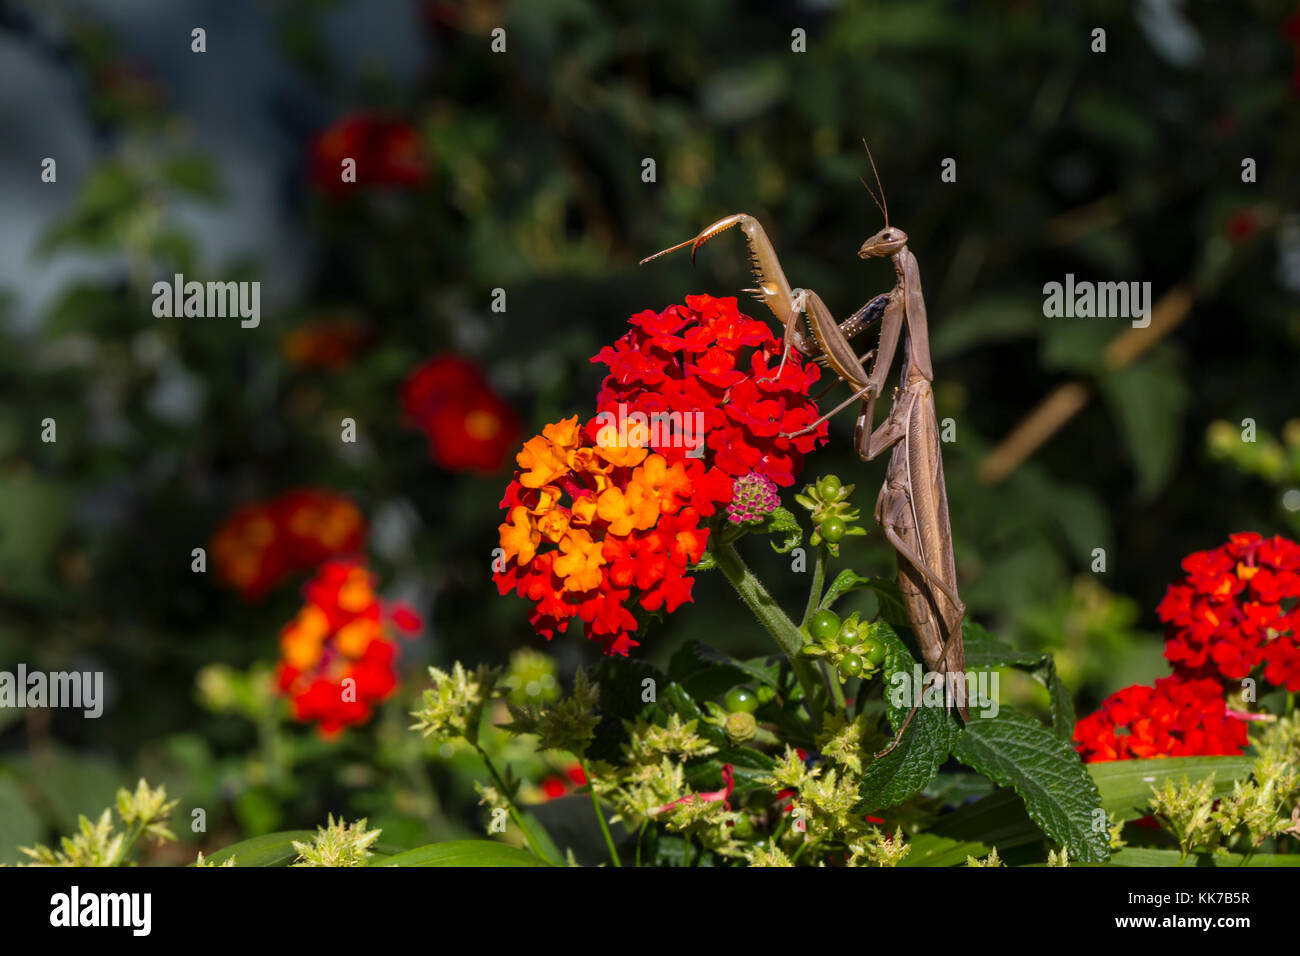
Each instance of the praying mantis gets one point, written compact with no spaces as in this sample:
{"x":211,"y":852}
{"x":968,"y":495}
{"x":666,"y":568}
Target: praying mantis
{"x":912,"y":508}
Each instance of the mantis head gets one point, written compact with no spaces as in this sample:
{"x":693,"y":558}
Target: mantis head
{"x":883,"y":244}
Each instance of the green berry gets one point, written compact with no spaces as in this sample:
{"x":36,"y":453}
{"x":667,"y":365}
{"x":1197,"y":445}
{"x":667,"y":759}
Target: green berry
{"x":850,"y":665}
{"x":849,"y":632}
{"x":824,"y":625}
{"x":741,"y":700}
{"x":833,"y":529}
{"x":829,"y":487}
{"x":873,"y":651}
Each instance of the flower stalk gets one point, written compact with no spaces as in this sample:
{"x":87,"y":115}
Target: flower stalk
{"x":773,"y":619}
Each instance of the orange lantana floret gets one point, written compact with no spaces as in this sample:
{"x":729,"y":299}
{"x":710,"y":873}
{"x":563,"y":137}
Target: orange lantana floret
{"x":664,"y":481}
{"x":579,"y":562}
{"x":519,"y":536}
{"x":626,"y":510}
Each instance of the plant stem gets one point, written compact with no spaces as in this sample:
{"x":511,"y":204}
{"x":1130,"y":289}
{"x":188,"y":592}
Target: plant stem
{"x":837,"y":692}
{"x":818,"y":581}
{"x":829,"y":677}
{"x":600,"y":815}
{"x":773,"y":619}
{"x":510,"y":803}
{"x":640,"y":835}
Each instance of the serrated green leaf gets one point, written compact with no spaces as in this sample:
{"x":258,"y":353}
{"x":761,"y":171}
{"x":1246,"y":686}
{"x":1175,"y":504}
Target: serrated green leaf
{"x":1017,"y":751}
{"x":463,"y":853}
{"x":892,"y":609}
{"x":270,"y":849}
{"x":694,"y":662}
{"x":846,"y":581}
{"x":984,"y":650}
{"x":1125,"y":785}
{"x":924,"y":747}
{"x":1063,"y":716}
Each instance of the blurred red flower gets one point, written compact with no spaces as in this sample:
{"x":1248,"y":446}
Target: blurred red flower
{"x":387,"y":152}
{"x":336,"y":657}
{"x":469,"y":426}
{"x":556,"y":785}
{"x":264,"y":542}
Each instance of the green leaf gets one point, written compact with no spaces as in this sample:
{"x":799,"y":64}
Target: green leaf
{"x":1148,"y":400}
{"x":19,"y":824}
{"x":1125,"y":785}
{"x":892,"y":609}
{"x":707,"y":672}
{"x":540,"y":838}
{"x":925,"y":745}
{"x":621,"y":685}
{"x":193,"y":174}
{"x":998,"y":819}
{"x":783,"y":522}
{"x":270,"y":849}
{"x":463,"y":853}
{"x":1017,"y":751}
{"x":1141,"y":856}
{"x":707,"y":562}
{"x":1063,"y":717}
{"x":675,"y":699}
{"x":984,"y":650}
{"x":928,"y":849}
{"x":570,"y":822}
{"x":846,"y":581}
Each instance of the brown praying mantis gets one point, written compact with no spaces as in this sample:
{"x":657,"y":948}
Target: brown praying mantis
{"x":912,"y":508}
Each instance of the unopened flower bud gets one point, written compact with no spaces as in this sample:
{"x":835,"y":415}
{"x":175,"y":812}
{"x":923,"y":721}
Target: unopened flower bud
{"x":740,"y":726}
{"x":753,"y":498}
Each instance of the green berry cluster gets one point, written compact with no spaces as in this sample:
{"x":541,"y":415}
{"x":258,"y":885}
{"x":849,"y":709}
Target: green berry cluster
{"x":847,"y":644}
{"x":833,"y":517}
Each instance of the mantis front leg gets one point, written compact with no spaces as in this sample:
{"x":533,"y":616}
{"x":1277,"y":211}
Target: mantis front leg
{"x":787,"y":304}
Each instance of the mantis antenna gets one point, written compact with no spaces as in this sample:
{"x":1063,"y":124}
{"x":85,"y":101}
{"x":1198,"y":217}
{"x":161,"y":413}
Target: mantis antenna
{"x":884,"y":209}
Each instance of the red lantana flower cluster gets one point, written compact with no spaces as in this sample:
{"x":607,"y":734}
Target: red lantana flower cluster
{"x":1175,"y":718}
{"x":336,"y":657}
{"x":387,"y":152}
{"x":695,"y":360}
{"x":469,"y":426}
{"x":1237,"y":607}
{"x":605,"y":514}
{"x":264,"y":542}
